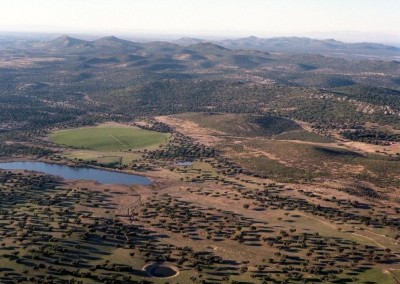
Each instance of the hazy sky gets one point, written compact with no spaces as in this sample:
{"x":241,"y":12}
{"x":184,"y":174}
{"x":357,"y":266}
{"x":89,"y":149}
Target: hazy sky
{"x":202,"y":17}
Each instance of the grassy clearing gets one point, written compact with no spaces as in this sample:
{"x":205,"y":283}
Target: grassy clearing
{"x":287,"y":161}
{"x":110,"y":138}
{"x":376,"y":276}
{"x":242,"y":125}
{"x":274,"y":169}
{"x":304,"y":153}
{"x":104,"y":158}
{"x":254,"y":126}
{"x":303,"y":135}
{"x":205,"y":168}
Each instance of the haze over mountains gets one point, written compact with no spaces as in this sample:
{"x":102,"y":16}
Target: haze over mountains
{"x":301,"y":45}
{"x":286,"y":61}
{"x":308,"y":45}
{"x":70,"y":44}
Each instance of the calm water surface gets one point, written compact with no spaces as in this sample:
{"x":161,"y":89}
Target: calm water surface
{"x":101,"y":176}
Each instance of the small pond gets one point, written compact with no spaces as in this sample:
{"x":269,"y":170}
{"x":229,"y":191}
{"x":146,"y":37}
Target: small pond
{"x":66,"y":172}
{"x":160,"y":270}
{"x":184,"y":163}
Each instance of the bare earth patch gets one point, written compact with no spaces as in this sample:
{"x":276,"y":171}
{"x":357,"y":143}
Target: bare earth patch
{"x":199,"y":134}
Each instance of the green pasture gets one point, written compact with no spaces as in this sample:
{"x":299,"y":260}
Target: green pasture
{"x":110,"y":138}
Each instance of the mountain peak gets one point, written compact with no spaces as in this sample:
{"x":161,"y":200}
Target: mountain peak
{"x":111,"y":38}
{"x":251,"y":38}
{"x":185,"y":41}
{"x":113,"y":41}
{"x":64,"y":37}
{"x":208,"y":46}
{"x":66,"y":41}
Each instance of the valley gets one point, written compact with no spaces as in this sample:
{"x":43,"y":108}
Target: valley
{"x":265,"y":167}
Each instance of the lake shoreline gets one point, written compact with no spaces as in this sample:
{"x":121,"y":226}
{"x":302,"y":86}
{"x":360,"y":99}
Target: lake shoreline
{"x":70,"y":164}
{"x":141,"y":179}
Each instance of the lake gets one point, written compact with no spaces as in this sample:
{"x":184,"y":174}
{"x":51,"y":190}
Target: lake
{"x":66,"y":172}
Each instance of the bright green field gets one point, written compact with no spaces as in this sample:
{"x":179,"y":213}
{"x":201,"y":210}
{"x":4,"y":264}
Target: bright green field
{"x":376,"y":276}
{"x":109,"y":138}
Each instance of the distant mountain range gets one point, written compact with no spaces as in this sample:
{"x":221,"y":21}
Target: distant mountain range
{"x":106,"y":44}
{"x":280,"y":61}
{"x":307,"y":45}
{"x":301,"y":45}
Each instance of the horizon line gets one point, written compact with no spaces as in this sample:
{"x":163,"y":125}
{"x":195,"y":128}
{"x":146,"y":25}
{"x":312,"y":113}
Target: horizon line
{"x":146,"y":35}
